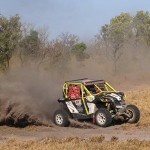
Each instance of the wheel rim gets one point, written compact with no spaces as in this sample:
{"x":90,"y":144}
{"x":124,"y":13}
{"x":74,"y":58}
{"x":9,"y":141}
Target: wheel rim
{"x":101,"y":118}
{"x":59,"y":119}
{"x":130,"y":113}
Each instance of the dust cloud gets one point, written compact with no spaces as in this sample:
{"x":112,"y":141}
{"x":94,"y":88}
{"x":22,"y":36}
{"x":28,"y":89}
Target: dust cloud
{"x":29,"y":96}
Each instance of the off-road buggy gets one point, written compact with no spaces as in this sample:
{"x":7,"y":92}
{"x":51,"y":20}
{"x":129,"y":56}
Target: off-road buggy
{"x":96,"y":100}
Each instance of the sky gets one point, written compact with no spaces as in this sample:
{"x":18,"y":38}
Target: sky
{"x":83,"y":18}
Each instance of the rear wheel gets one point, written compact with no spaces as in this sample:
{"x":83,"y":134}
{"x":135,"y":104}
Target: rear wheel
{"x":61,"y":118}
{"x":134,"y":113}
{"x":103,"y":117}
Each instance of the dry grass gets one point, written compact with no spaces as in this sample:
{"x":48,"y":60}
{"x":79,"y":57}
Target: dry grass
{"x":141,"y":98}
{"x":75,"y":143}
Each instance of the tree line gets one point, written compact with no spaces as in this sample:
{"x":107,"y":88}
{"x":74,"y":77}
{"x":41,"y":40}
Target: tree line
{"x":123,"y":30}
{"x":32,"y":44}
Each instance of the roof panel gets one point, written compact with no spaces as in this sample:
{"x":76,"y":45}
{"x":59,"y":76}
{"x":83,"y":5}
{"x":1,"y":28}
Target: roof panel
{"x":86,"y":81}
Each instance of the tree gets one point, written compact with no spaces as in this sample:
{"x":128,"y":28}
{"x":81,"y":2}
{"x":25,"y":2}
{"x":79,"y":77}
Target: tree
{"x":68,"y":39}
{"x":10,"y":33}
{"x":102,"y":40}
{"x":116,"y":34}
{"x":34,"y":45}
{"x":56,"y":52}
{"x":29,"y":47}
{"x":79,"y":51}
{"x":31,"y":44}
{"x":141,"y":22}
{"x":120,"y":32}
{"x":61,"y":49}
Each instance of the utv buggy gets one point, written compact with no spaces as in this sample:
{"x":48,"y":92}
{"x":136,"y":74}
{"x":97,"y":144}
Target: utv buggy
{"x":96,"y":100}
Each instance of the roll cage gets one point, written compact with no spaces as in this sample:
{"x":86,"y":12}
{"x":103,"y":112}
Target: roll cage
{"x":87,"y":87}
{"x":84,"y":89}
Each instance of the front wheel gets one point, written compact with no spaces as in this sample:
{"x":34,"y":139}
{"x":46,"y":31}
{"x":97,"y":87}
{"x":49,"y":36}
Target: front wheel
{"x":61,"y":118}
{"x":103,"y":117}
{"x":134,"y":113}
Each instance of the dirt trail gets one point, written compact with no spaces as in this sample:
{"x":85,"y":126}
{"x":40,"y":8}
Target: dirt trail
{"x":24,"y":99}
{"x":40,"y":132}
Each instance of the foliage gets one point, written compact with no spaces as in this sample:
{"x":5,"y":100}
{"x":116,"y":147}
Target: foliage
{"x":116,"y":34}
{"x":34,"y":44}
{"x":31,"y":44}
{"x":56,"y":51}
{"x":59,"y":49}
{"x":141,"y":27}
{"x":79,"y":51}
{"x":10,"y":33}
{"x":68,"y":39}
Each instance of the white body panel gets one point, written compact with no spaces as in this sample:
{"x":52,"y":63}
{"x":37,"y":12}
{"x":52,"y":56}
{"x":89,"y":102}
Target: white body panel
{"x":71,"y":107}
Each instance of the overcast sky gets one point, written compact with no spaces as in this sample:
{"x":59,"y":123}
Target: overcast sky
{"x":81,"y":17}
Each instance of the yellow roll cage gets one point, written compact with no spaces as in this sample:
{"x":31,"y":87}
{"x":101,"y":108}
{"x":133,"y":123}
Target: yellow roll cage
{"x":107,"y":87}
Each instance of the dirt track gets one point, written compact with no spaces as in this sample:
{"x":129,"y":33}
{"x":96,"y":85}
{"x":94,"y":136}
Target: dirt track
{"x":40,"y":132}
{"x":140,"y":131}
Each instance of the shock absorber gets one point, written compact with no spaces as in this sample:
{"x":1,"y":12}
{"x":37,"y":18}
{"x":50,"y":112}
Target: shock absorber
{"x":108,"y":106}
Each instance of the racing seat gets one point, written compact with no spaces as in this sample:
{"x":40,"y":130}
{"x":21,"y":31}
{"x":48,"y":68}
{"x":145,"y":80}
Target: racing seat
{"x":74,"y":92}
